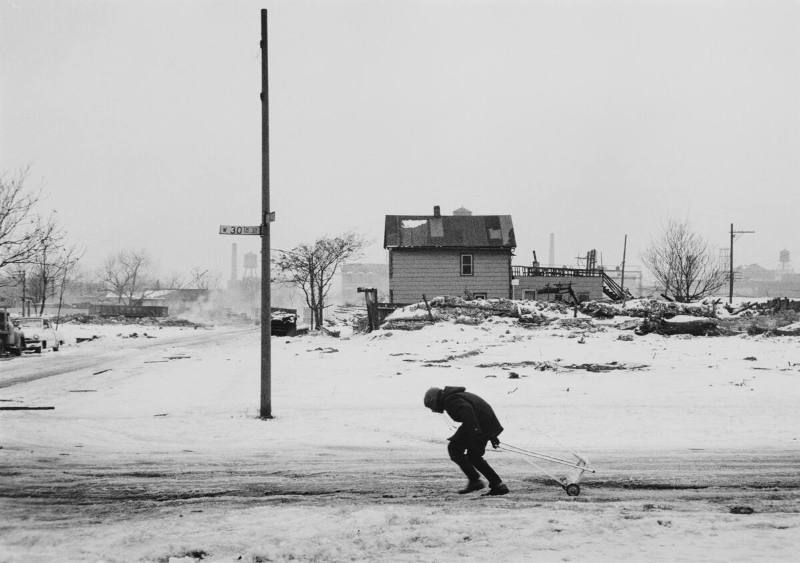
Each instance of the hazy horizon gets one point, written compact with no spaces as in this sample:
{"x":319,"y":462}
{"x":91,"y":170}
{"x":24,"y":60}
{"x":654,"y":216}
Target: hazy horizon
{"x":591,"y":120}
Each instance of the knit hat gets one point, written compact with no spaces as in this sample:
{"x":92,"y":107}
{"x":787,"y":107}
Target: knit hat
{"x":432,"y":399}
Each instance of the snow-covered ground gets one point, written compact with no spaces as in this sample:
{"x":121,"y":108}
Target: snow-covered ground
{"x":163,"y":455}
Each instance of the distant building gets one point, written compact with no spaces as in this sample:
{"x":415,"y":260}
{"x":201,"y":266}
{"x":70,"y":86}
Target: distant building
{"x":458,"y":255}
{"x":567,"y":284}
{"x":177,"y":300}
{"x":557,"y":284}
{"x":756,"y":281}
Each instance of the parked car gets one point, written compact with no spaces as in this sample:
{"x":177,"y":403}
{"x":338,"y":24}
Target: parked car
{"x":10,"y":336}
{"x":38,"y":334}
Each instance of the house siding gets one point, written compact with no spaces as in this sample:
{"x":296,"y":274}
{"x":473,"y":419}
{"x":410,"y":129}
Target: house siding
{"x":435,"y":272}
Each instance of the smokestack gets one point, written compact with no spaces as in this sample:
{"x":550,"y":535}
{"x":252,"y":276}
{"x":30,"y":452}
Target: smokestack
{"x":436,"y":211}
{"x":552,"y":258}
{"x":234,"y":266}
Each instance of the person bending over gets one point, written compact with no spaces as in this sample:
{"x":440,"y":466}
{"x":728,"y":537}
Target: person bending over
{"x":479,"y":425}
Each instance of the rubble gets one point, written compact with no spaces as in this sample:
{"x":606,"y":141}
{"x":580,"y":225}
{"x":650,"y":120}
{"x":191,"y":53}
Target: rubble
{"x":610,"y":366}
{"x":80,"y":318}
{"x":680,"y":324}
{"x":788,"y":330}
{"x":706,"y":318}
{"x":648,"y":308}
{"x":474,"y":312}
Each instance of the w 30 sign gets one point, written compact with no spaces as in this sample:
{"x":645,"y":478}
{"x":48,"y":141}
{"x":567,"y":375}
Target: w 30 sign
{"x":239,"y":230}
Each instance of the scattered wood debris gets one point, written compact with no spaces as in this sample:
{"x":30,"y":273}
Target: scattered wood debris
{"x":611,"y":366}
{"x":80,"y":339}
{"x":742,"y":510}
{"x":555,"y":366}
{"x":326,"y":350}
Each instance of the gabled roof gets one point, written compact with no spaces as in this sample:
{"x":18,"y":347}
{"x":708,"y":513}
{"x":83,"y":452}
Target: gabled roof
{"x":463,"y":231}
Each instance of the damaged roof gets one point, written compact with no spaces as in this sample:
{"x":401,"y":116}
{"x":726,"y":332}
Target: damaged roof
{"x":455,"y":231}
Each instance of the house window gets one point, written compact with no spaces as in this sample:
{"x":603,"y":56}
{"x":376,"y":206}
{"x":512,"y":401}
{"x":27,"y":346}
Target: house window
{"x":583,"y":296}
{"x":529,"y":295}
{"x":466,"y":264}
{"x":479,"y":295}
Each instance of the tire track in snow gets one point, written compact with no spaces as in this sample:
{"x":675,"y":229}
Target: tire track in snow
{"x":24,"y":370}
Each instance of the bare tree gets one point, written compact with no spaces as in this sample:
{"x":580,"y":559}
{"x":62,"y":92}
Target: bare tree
{"x":124,"y":273}
{"x":684,"y":264}
{"x":311,"y":267}
{"x":173,"y":281}
{"x":50,"y":273}
{"x":22,"y":231}
{"x":47,"y":269}
{"x":203,"y":279}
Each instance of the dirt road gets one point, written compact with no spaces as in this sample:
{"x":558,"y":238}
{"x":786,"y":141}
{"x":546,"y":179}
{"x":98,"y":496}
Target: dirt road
{"x":30,"y":367}
{"x":60,"y":487}
{"x":54,"y":497}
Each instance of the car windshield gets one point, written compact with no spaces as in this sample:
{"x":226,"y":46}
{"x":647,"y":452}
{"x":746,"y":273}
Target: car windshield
{"x":31,"y":323}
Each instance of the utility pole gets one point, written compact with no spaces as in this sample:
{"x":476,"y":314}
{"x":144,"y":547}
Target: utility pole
{"x":622,"y":279}
{"x":24,"y":297}
{"x":730,"y":273}
{"x":266,"y":306}
{"x":262,"y":230}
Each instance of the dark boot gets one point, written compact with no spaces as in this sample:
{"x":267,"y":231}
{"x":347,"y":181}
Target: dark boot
{"x":473,"y":485}
{"x":498,"y":489}
{"x":485,"y":469}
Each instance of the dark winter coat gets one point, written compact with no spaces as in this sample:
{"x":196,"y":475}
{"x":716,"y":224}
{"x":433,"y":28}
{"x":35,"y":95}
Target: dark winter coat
{"x":475,"y":414}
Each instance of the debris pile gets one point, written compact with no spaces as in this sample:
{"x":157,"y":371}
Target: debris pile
{"x":647,"y":308}
{"x":779,"y":317}
{"x":680,"y":324}
{"x":473,"y":312}
{"x":80,"y":318}
{"x":776,"y":317}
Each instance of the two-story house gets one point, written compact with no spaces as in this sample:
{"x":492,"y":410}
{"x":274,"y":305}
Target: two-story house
{"x":461,"y":255}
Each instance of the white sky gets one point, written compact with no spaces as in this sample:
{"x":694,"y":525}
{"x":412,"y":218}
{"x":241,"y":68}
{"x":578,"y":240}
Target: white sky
{"x":588,"y":119}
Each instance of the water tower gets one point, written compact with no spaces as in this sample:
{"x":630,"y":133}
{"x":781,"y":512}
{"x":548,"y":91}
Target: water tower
{"x":785,"y":260}
{"x":250,"y":265}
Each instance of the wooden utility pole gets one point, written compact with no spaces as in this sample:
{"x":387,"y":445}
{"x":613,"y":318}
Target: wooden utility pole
{"x":262,"y":230}
{"x":24,"y":297}
{"x":622,"y":278}
{"x":266,"y":306}
{"x":730,"y":273}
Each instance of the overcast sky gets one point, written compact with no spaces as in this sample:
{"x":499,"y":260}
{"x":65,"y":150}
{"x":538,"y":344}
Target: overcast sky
{"x":588,"y":119}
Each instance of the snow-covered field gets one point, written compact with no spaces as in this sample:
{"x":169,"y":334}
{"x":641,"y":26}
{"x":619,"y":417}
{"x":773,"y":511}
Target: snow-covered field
{"x":162,"y":455}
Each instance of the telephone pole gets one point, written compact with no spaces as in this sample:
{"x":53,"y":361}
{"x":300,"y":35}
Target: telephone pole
{"x":624,"y":251}
{"x":730,"y":273}
{"x":265,"y":410}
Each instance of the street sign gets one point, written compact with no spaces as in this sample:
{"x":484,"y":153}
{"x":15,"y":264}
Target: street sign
{"x":239,"y":230}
